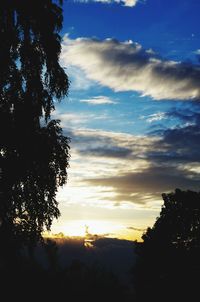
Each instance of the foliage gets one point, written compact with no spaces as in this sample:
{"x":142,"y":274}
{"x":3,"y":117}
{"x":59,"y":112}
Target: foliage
{"x":34,"y":154}
{"x":178,"y":225}
{"x":169,"y":262}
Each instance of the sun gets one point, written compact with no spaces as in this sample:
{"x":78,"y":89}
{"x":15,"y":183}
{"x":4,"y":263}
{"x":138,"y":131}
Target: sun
{"x":87,"y":229}
{"x":84,"y":227}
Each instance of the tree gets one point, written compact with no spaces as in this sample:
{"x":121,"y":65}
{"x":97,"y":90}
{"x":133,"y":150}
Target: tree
{"x":34,"y":154}
{"x":169,"y":262}
{"x":179,"y":222}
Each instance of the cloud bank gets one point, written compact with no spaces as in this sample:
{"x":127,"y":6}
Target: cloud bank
{"x":127,"y":66}
{"x":129,"y":169}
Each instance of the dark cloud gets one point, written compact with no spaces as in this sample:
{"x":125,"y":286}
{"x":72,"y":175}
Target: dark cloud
{"x":136,"y":229}
{"x":101,"y":144}
{"x":152,"y":181}
{"x":180,"y":144}
{"x":190,"y":114}
{"x":185,"y":141}
{"x":113,"y":152}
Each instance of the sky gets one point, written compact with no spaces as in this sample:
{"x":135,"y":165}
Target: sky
{"x":132,"y":112}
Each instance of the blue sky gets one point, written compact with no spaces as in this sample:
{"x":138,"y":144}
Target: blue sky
{"x":132,"y":111}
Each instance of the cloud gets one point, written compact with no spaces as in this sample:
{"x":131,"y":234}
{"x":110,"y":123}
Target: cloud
{"x":148,"y":184}
{"x":104,"y":144}
{"x":136,"y":229}
{"x":99,"y":154}
{"x":129,"y":3}
{"x":109,"y":152}
{"x":185,"y":142}
{"x":138,"y":169}
{"x":197,"y":52}
{"x":98,"y":100}
{"x":189,"y":115}
{"x":154,"y":117}
{"x":72,"y":120}
{"x":110,"y":168}
{"x":78,"y":80}
{"x":126,"y":66}
{"x":180,"y":143}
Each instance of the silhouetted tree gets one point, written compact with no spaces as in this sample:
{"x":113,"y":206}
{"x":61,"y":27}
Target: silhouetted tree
{"x":34,"y":154}
{"x":169,"y":264}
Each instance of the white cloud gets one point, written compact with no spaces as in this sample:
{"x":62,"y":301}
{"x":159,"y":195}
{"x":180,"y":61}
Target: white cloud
{"x":71,"y":120}
{"x":154,"y":117}
{"x":129,"y":3}
{"x":98,"y":100}
{"x":78,"y":80}
{"x":126,"y":66}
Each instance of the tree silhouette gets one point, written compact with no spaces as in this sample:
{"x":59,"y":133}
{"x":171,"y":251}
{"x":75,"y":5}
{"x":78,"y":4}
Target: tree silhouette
{"x":169,"y":264}
{"x":34,"y":154}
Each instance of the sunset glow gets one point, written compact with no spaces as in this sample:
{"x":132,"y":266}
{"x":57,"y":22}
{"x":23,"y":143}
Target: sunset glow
{"x":100,"y":150}
{"x":98,"y":228}
{"x":94,"y":227}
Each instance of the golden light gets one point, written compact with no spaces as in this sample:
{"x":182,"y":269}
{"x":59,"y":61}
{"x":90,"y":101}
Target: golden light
{"x":89,"y":229}
{"x":94,"y":227}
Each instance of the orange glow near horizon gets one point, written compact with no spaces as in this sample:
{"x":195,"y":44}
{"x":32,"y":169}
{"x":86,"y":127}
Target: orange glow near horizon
{"x":94,"y":227}
{"x":83,"y":228}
